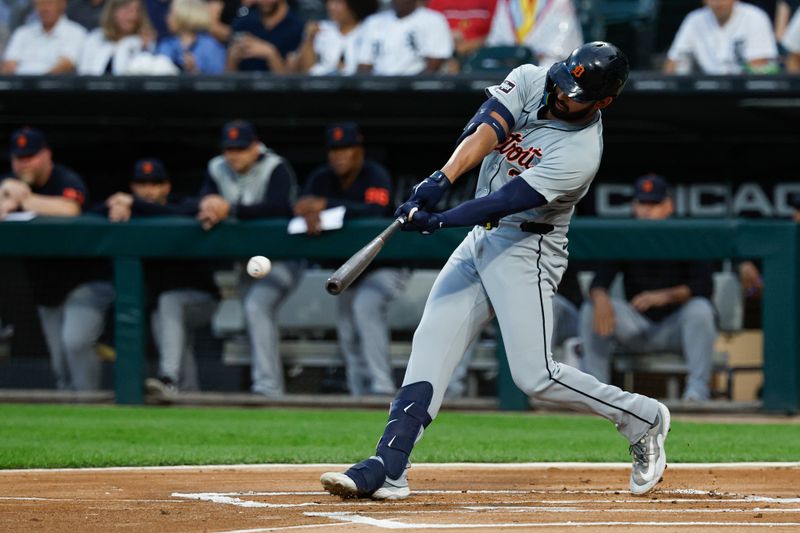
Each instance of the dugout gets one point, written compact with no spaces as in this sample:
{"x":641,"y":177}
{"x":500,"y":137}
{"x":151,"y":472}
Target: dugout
{"x":723,"y":131}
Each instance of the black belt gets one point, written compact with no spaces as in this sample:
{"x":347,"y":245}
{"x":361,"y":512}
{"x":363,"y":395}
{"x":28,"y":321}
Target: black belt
{"x":540,"y":228}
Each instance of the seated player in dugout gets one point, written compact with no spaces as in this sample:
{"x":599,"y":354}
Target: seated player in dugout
{"x":72,"y":304}
{"x":538,"y":138}
{"x":668,"y":305}
{"x":248,"y":182}
{"x":364,"y":188}
{"x":182,"y":292}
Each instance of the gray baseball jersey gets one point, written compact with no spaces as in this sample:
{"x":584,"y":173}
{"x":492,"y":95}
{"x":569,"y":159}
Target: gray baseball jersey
{"x":512,"y":274}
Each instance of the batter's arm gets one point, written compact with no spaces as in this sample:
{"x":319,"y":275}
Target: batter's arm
{"x":515,"y":196}
{"x":472,"y":150}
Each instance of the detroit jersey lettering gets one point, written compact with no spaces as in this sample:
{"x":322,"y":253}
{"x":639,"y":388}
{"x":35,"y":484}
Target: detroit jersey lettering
{"x":556,"y":158}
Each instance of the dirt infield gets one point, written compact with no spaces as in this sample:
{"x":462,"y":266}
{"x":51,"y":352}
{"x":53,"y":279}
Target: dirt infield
{"x":455,"y":497}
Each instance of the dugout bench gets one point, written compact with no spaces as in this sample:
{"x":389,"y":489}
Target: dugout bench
{"x":776,"y":243}
{"x":307,"y":321}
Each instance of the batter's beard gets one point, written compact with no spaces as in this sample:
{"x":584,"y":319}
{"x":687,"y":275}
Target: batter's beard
{"x":566,"y":116}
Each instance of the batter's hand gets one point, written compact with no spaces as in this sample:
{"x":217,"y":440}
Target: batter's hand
{"x":426,"y":195}
{"x":424,"y":222}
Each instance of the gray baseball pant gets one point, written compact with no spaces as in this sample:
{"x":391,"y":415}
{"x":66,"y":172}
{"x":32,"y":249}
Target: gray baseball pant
{"x":261,"y":302}
{"x":179,"y":314}
{"x":690,"y":330}
{"x":71,"y":331}
{"x":362,"y":328}
{"x":514,"y":275}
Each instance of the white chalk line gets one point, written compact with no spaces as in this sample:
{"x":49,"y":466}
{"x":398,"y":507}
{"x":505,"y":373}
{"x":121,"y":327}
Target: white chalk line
{"x":235,"y":498}
{"x":461,"y":466}
{"x":230,"y":500}
{"x":127,"y":500}
{"x":284,"y":528}
{"x":548,"y":509}
{"x":393,"y":524}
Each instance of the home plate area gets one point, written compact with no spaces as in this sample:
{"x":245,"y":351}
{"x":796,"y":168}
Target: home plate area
{"x":535,"y":497}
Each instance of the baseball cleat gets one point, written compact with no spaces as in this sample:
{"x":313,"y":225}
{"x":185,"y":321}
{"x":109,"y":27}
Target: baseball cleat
{"x":649,"y":455}
{"x":162,"y":387}
{"x":394,"y":489}
{"x":339,"y":484}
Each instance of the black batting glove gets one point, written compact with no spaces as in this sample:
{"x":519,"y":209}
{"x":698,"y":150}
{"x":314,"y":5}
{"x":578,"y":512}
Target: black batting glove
{"x":426,"y":195}
{"x":424,"y":222}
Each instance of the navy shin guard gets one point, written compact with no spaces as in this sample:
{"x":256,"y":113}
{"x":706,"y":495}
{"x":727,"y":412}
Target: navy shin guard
{"x":407,"y":415}
{"x":368,"y":475}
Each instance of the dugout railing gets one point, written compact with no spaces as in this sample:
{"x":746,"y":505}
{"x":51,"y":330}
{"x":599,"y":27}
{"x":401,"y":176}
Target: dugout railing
{"x":775,"y":243}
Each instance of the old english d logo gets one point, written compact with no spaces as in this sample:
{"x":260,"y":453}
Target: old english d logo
{"x":647,"y":186}
{"x":578,"y":71}
{"x":147,"y":167}
{"x":233,"y":133}
{"x":22,"y":141}
{"x":338,"y":133}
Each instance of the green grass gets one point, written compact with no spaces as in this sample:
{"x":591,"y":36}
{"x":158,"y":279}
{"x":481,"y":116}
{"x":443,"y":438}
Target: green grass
{"x":80,"y":436}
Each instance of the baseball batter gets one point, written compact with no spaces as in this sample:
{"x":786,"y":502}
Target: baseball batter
{"x":539,"y":135}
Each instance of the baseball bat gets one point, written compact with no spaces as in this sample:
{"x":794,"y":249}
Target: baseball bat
{"x":346,"y":274}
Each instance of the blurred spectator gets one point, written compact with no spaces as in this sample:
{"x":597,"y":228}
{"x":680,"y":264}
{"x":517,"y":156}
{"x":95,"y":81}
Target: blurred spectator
{"x":779,"y":12}
{"x":263,"y":37}
{"x":222,"y":14}
{"x":724,"y":37}
{"x":362,"y":323}
{"x":791,"y":41}
{"x":331,"y":46}
{"x":184,"y":293}
{"x":250,"y":181}
{"x":668,"y":305}
{"x":549,"y":27}
{"x":404,"y":41}
{"x":13,"y":14}
{"x":72,"y":304}
{"x":85,"y":12}
{"x":191,"y":47}
{"x":50,"y":46}
{"x":308,"y":9}
{"x":157,"y":11}
{"x":124,"y":31}
{"x":469,"y":22}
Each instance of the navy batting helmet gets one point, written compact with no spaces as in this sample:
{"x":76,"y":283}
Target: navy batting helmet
{"x":591,"y":72}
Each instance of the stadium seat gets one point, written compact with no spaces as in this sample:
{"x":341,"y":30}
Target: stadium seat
{"x":498,"y":59}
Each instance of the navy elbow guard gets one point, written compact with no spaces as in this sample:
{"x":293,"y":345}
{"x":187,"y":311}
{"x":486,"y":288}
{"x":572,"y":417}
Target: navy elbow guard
{"x":485,"y":116}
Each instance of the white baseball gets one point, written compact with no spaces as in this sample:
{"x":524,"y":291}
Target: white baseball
{"x":259,"y":266}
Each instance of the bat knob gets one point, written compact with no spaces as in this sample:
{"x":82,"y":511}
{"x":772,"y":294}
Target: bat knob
{"x":333,"y":287}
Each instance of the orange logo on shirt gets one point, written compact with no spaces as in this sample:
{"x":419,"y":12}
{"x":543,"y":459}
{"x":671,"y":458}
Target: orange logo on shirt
{"x":578,"y":71}
{"x":376,"y":195}
{"x":73,"y":194}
